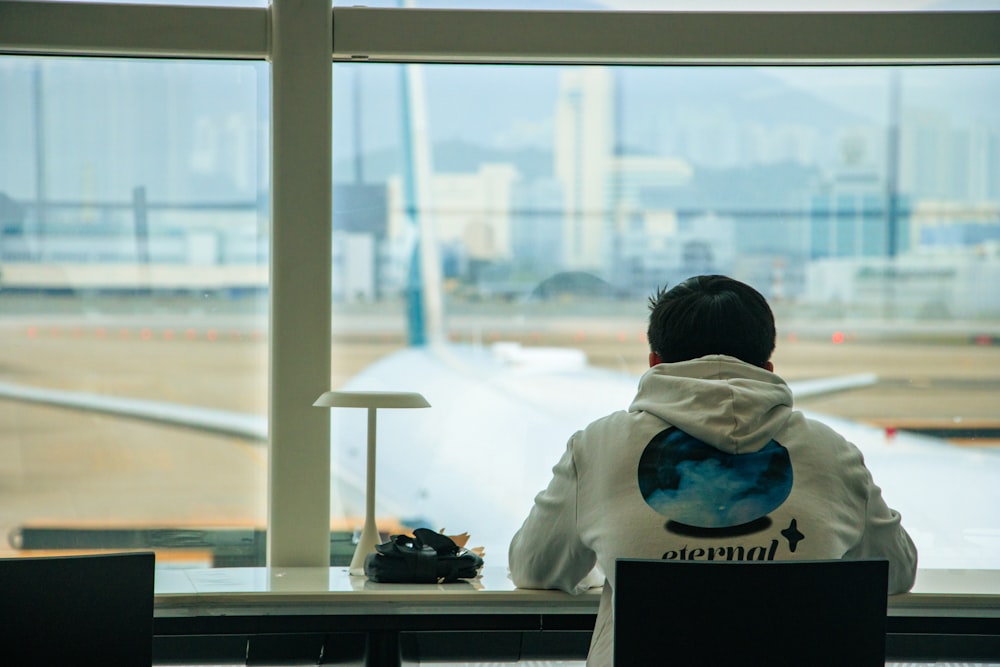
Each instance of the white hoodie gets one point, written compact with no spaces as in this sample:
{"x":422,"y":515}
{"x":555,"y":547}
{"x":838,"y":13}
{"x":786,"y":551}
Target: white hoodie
{"x":710,"y":462}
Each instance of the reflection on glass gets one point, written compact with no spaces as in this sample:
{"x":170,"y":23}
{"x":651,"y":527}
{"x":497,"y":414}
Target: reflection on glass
{"x":133,"y":265}
{"x":522,"y":215}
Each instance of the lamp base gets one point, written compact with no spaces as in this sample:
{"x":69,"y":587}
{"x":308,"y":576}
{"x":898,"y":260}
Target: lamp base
{"x":366,"y":545}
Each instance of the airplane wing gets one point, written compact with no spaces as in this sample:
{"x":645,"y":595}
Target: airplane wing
{"x":830,"y":385}
{"x":252,"y":427}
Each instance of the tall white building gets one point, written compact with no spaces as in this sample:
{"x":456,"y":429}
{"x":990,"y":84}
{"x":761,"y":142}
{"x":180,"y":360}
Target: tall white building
{"x":940,"y":160}
{"x":584,"y":148}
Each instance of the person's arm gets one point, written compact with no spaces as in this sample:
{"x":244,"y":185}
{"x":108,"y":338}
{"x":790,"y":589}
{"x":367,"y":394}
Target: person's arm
{"x":547,"y":552}
{"x":885,"y":537}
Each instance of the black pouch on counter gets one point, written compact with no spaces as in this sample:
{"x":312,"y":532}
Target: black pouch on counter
{"x":425,"y":558}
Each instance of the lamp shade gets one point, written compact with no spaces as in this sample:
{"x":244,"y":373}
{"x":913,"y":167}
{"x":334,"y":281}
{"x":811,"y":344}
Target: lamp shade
{"x":371,"y":399}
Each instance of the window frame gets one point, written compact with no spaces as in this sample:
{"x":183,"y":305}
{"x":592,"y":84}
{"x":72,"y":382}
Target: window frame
{"x":301,"y":40}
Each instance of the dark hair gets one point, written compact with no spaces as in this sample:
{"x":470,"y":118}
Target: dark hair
{"x":711,"y":315}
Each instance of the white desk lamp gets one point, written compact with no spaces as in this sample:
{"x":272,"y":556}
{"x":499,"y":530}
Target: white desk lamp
{"x":371,"y":400}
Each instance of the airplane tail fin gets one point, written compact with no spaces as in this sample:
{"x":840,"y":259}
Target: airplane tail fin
{"x":424,"y":289}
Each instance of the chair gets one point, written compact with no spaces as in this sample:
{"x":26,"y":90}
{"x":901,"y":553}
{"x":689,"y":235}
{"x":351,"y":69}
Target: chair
{"x":77,"y":610}
{"x":772,"y":613}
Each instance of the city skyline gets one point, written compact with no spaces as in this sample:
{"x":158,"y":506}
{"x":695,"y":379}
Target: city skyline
{"x":625,"y":172}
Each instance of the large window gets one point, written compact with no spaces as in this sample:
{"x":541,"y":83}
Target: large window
{"x":864,"y":203}
{"x":513,"y":216}
{"x":133,"y":265}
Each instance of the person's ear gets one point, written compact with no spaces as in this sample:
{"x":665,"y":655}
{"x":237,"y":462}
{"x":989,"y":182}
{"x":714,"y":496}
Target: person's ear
{"x":654,"y":359}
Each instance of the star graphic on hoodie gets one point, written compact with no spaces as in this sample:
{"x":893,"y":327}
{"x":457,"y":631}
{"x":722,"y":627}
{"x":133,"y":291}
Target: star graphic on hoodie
{"x":793,"y":536}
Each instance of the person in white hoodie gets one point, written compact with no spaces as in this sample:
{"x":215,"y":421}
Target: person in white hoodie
{"x":709,"y":462}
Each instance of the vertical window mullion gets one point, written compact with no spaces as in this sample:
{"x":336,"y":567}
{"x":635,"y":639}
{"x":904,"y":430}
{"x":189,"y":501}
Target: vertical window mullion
{"x":301,"y":178}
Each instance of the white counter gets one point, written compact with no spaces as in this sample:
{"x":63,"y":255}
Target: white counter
{"x":262,"y":591}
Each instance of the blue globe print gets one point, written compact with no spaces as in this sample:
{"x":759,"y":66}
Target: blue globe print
{"x":695,"y":484}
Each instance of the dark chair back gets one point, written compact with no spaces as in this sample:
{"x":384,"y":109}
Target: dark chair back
{"x":77,"y":610}
{"x":771,"y":613}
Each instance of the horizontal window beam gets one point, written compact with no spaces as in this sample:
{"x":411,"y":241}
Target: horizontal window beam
{"x":431,"y":35}
{"x":474,"y":36}
{"x":70,"y":28}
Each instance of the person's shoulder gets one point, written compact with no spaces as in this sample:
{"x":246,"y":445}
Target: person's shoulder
{"x":800,"y":421}
{"x":815,"y":433}
{"x":600,"y":424}
{"x":617,"y":427}
{"x":619,"y":419}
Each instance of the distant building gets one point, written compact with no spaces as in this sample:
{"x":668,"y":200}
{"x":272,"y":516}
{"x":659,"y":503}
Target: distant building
{"x":659,"y":248}
{"x":537,"y":225}
{"x":952,"y":224}
{"x":355,"y":267}
{"x":584,"y":147}
{"x":473,"y":209}
{"x":942,"y":161}
{"x":360,"y":226}
{"x":471,"y":215}
{"x":850,"y":217}
{"x":940,"y":285}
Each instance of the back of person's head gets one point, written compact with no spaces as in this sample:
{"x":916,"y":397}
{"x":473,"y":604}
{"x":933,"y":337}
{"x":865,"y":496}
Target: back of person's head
{"x":711,"y":315}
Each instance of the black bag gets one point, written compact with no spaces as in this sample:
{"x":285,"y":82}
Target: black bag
{"x":425,"y":558}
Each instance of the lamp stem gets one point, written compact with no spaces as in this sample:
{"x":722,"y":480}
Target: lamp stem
{"x":370,"y":480}
{"x":369,"y":534}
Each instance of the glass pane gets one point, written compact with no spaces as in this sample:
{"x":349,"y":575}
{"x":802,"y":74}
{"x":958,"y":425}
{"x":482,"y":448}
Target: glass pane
{"x":864,"y":203}
{"x":133,"y":282}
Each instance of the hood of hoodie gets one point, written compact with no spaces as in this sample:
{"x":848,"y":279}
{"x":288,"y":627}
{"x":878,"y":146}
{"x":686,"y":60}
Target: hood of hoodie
{"x":720,"y":400}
